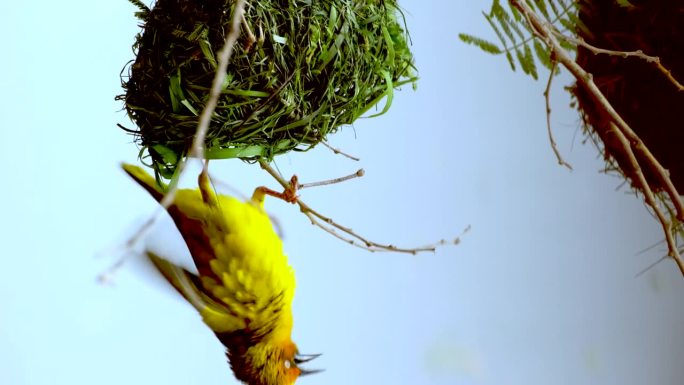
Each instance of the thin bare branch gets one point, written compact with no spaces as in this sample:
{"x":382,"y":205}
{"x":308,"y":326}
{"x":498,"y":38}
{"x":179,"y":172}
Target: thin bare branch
{"x":652,"y":265}
{"x":338,"y":151}
{"x":632,"y":146}
{"x":655,"y":60}
{"x":359,"y":173}
{"x":650,"y":198}
{"x":197,"y":149}
{"x":547,"y":97}
{"x":328,"y":225}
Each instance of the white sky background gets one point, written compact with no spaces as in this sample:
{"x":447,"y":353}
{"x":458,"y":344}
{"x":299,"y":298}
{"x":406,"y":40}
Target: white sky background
{"x":542,"y":290}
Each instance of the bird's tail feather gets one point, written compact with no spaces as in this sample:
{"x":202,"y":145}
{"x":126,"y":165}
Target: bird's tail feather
{"x":145,"y":180}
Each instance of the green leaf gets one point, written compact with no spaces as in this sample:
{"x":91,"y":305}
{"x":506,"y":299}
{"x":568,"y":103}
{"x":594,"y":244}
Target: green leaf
{"x":517,"y":39}
{"x":505,"y":21}
{"x":200,"y":31}
{"x":484,"y":45}
{"x":529,"y":58}
{"x":515,"y":26}
{"x":389,"y":93}
{"x":167,"y":155}
{"x":189,"y":106}
{"x":567,"y":45}
{"x":247,"y":93}
{"x":527,"y":63}
{"x":509,"y":57}
{"x":542,"y":54}
{"x":516,"y":15}
{"x":208,"y":53}
{"x":144,"y":9}
{"x":235,"y":152}
{"x":625,"y":4}
{"x":541,"y":6}
{"x":567,"y":24}
{"x":574,"y":20}
{"x":390,"y":46}
{"x":521,"y":60}
{"x":554,"y":8}
{"x":496,"y":31}
{"x":332,"y":21}
{"x":175,"y":91}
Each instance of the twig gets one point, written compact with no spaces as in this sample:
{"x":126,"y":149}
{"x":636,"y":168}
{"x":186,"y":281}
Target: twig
{"x":632,"y":145}
{"x":586,"y":80}
{"x":649,"y":248}
{"x":338,"y":151}
{"x":359,"y":173}
{"x":197,"y":148}
{"x":346,"y":234}
{"x":650,"y":197}
{"x":655,"y":60}
{"x":547,"y":97}
{"x":649,"y":267}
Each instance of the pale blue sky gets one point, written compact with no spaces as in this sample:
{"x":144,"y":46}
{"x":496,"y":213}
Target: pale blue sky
{"x":542,"y":290}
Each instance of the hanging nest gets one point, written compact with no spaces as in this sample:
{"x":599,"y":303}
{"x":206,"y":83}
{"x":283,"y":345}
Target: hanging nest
{"x":312,"y":67}
{"x":642,"y":95}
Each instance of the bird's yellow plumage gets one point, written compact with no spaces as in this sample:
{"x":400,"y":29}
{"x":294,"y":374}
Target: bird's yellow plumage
{"x":245,"y":285}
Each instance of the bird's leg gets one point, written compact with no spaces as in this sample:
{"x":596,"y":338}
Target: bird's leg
{"x":208,"y":194}
{"x":288,"y":195}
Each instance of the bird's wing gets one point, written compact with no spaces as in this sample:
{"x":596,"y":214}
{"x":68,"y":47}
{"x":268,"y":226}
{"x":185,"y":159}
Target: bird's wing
{"x":190,"y":210}
{"x":217,"y":316}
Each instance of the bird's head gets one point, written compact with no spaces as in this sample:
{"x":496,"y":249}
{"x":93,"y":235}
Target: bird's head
{"x":271,"y":364}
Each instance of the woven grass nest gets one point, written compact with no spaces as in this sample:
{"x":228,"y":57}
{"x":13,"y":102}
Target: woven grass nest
{"x":643,"y":96}
{"x":314,"y":66}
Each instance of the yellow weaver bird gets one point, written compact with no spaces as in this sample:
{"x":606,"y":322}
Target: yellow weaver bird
{"x":245,"y":285}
